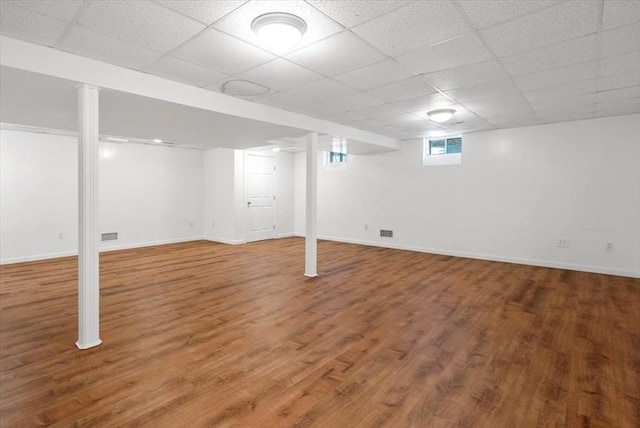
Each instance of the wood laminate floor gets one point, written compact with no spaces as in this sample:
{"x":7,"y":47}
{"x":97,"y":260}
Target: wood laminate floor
{"x":205,"y":334}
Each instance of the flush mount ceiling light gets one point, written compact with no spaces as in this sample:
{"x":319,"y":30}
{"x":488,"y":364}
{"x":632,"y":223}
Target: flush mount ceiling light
{"x":279,"y":30}
{"x":441,"y":115}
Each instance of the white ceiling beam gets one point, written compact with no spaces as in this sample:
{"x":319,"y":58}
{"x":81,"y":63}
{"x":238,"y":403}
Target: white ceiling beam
{"x":38,"y":59}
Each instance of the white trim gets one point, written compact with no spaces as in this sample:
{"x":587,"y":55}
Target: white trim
{"x":494,"y":258}
{"x":37,"y":257}
{"x":491,"y":257}
{"x":52,"y":62}
{"x":148,"y":244}
{"x":103,"y":249}
{"x":285,"y":235}
{"x":226,"y":241}
{"x":88,"y":345}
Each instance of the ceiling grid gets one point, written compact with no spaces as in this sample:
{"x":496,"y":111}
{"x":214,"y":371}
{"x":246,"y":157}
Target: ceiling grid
{"x":374,"y":65}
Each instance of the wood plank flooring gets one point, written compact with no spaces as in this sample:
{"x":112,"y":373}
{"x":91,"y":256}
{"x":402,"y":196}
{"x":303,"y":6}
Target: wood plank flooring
{"x":208,"y":335}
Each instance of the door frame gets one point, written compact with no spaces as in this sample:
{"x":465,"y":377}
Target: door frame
{"x":266,"y":154}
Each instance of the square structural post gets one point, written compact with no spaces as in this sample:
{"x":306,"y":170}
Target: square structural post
{"x":88,"y":250}
{"x":311,"y":229}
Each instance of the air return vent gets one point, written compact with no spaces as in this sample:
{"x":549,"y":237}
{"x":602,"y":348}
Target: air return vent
{"x":111,"y":236}
{"x":386,"y":233}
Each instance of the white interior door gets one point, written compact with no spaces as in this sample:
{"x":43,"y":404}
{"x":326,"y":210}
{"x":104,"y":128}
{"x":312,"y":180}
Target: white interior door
{"x":260,"y":196}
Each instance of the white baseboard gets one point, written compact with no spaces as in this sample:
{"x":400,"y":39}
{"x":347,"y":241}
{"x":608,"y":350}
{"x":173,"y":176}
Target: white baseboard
{"x":226,"y":241}
{"x":490,"y":257}
{"x":37,"y":257}
{"x":103,"y":249}
{"x":285,"y":235}
{"x":117,"y":247}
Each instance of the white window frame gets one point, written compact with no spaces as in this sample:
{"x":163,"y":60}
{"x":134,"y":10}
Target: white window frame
{"x":439,"y":159}
{"x":335,"y":165}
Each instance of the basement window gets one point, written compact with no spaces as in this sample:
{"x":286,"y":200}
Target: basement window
{"x":442,"y":151}
{"x":335,"y":161}
{"x":336,"y":157}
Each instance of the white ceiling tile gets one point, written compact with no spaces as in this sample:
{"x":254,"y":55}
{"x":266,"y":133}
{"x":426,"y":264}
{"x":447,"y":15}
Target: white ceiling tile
{"x":467,"y":75}
{"x":337,"y":105}
{"x":619,"y":64}
{"x":616,"y":111}
{"x":347,"y":117}
{"x":408,"y":88}
{"x":374,"y":75}
{"x":623,"y":80}
{"x":280,"y":74}
{"x":558,"y":76}
{"x":548,"y":26}
{"x":554,"y":56}
{"x":501,"y":106}
{"x":619,"y":12}
{"x":515,"y":121}
{"x":562,"y":91}
{"x":567,"y":102}
{"x":336,"y":54}
{"x":82,"y":41}
{"x":418,"y":125}
{"x":354,"y":12}
{"x":397,"y":119}
{"x":490,"y":12}
{"x":452,"y":53}
{"x":205,"y":11}
{"x":483,"y":90}
{"x":222,"y":52}
{"x":380,"y":110}
{"x":618,"y":94}
{"x":353,"y":102}
{"x":620,"y":40}
{"x":63,"y":10}
{"x":622,"y":106}
{"x":140,"y":22}
{"x":321,"y":90}
{"x":186,"y":72}
{"x":579,"y":112}
{"x":413,"y":26}
{"x":566,"y":115}
{"x":282,"y":100}
{"x":238,"y":23}
{"x":29,"y":26}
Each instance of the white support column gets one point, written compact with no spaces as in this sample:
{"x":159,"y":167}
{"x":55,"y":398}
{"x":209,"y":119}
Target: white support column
{"x":311,"y":235}
{"x":88,"y":255}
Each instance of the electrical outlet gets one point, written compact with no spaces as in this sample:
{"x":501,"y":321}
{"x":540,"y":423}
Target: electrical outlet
{"x":191,"y":225}
{"x":213,"y":225}
{"x":366,"y":227}
{"x":609,"y":246}
{"x":60,"y":235}
{"x":563,"y":243}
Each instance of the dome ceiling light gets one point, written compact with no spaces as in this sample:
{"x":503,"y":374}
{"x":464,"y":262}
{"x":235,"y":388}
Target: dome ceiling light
{"x":278,"y":30}
{"x":441,"y":115}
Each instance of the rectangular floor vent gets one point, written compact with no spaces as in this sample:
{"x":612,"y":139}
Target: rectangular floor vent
{"x":386,"y":233}
{"x":111,"y":236}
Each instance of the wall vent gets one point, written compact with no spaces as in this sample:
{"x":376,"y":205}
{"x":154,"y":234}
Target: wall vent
{"x":111,"y":236}
{"x":386,"y":233}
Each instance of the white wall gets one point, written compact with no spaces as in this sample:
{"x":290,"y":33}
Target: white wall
{"x":516,"y":193}
{"x":148,"y":194}
{"x":219,"y":195}
{"x":285,"y":185}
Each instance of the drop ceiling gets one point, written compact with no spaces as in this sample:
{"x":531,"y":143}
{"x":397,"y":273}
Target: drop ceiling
{"x":374,"y":65}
